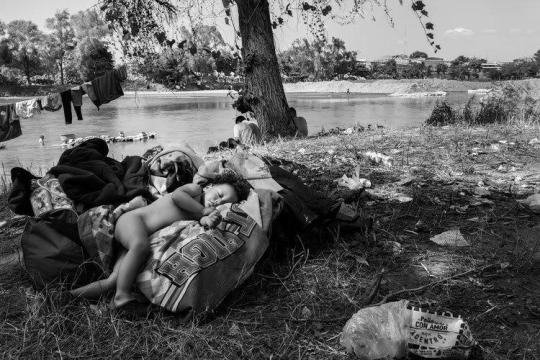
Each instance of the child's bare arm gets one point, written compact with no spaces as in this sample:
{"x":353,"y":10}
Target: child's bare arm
{"x":184,"y":198}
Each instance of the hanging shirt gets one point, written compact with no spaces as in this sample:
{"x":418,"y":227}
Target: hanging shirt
{"x":10,"y":127}
{"x":51,"y":102}
{"x":28,"y":108}
{"x":88,"y":89}
{"x":107,"y":88}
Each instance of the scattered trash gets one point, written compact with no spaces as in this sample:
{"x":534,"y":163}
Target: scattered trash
{"x":379,"y":158}
{"x":532,"y":203}
{"x":302,"y":151}
{"x":349,"y":131}
{"x":393,"y":246}
{"x":354,"y":182}
{"x":394,"y":329}
{"x":534,"y":141}
{"x":450,"y":238}
{"x":402,"y":199}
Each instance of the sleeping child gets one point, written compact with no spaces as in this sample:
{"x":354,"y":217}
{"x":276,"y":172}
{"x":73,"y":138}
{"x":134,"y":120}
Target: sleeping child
{"x":188,"y":202}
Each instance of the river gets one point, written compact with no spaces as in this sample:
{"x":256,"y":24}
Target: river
{"x":202,"y":120}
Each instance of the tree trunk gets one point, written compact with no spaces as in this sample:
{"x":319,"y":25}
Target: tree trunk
{"x":61,"y":72}
{"x":264,"y":88}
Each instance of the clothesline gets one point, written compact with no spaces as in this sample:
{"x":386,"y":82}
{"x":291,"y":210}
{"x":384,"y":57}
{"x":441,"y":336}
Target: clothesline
{"x":101,"y":90}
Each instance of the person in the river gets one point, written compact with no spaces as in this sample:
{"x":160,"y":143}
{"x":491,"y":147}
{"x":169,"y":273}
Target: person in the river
{"x":299,"y":122}
{"x":246,"y":132}
{"x":188,"y":202}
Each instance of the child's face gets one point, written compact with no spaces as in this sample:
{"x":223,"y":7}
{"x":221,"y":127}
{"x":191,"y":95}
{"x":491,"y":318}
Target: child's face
{"x":219,"y":194}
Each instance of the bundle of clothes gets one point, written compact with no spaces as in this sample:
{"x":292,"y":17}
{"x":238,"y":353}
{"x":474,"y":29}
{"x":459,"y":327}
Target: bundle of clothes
{"x":191,"y":269}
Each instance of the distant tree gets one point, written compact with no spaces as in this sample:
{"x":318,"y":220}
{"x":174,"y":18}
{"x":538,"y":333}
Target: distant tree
{"x":418,"y":54}
{"x":389,"y":69}
{"x":62,"y":38}
{"x":95,"y":59}
{"x":459,"y":68}
{"x":92,"y":57}
{"x":441,"y":69}
{"x":475,"y":66}
{"x":537,"y":57}
{"x":24,"y":40}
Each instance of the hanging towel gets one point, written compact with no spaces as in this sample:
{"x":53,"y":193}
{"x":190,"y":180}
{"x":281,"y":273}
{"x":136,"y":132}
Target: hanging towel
{"x":51,"y":102}
{"x":28,"y":108}
{"x":10,"y":127}
{"x":88,"y":89}
{"x":107,"y":88}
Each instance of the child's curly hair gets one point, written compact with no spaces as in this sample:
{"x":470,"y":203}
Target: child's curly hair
{"x":240,"y":185}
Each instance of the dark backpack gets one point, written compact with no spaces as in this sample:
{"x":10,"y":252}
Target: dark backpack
{"x":53,"y":253}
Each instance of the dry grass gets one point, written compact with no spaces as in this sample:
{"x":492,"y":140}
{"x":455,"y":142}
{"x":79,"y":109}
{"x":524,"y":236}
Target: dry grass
{"x":301,"y":295}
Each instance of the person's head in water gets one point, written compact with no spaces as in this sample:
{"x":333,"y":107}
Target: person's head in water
{"x":292,"y":111}
{"x":239,"y":119}
{"x":227,"y":187}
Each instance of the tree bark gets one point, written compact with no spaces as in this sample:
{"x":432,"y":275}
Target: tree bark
{"x":264,"y":88}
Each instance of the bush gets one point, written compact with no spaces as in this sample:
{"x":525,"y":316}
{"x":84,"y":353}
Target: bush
{"x":442,"y":114}
{"x":506,"y":104}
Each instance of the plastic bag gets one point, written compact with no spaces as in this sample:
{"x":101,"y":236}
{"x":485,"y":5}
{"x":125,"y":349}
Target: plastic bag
{"x":378,"y":332}
{"x":396,"y":329}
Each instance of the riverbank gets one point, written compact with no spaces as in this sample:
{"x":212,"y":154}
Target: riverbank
{"x":404,"y":86}
{"x":301,"y":295}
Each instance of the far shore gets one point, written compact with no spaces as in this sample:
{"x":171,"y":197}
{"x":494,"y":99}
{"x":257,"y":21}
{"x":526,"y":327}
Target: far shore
{"x":403,"y":86}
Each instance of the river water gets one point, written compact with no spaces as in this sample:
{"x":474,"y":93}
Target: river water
{"x":202,"y":120}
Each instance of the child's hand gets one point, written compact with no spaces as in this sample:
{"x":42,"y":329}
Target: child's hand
{"x":211,"y":221}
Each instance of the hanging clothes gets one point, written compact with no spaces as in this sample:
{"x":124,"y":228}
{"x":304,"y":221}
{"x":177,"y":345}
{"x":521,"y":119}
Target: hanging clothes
{"x":76,"y":99}
{"x":51,"y":102}
{"x":66,"y":102}
{"x":28,"y":108}
{"x":88,"y":89}
{"x":10,"y":127}
{"x":107,"y":88}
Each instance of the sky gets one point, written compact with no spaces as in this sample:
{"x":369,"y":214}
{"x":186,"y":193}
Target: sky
{"x":497,"y":30}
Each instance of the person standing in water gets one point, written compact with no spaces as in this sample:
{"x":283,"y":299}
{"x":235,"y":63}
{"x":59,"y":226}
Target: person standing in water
{"x":41,"y":140}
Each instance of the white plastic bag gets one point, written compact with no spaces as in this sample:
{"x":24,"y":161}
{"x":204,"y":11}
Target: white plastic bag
{"x":378,"y":332}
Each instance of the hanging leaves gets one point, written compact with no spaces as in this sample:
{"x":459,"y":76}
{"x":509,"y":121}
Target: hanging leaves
{"x":326,"y":10}
{"x":418,"y":5}
{"x":429,"y":26}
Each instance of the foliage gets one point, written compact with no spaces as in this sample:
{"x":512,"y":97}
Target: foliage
{"x":506,"y":104}
{"x":418,"y":54}
{"x":442,"y":114}
{"x":61,"y":40}
{"x":23,"y":41}
{"x":318,"y":60}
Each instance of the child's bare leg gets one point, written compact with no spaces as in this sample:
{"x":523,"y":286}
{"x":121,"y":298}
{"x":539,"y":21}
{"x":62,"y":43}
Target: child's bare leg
{"x":98,"y":288}
{"x":131,"y":232}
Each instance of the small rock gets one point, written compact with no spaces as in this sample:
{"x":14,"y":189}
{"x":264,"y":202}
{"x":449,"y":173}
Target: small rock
{"x":450,"y":238}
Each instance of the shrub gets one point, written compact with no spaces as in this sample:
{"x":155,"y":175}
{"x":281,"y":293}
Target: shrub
{"x":442,"y":114}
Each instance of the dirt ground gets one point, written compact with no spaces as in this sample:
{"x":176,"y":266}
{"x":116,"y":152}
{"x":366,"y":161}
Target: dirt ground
{"x":299,"y":298}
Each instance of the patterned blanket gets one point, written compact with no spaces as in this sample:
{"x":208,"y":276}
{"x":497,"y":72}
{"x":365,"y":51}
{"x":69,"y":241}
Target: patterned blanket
{"x":191,"y":269}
